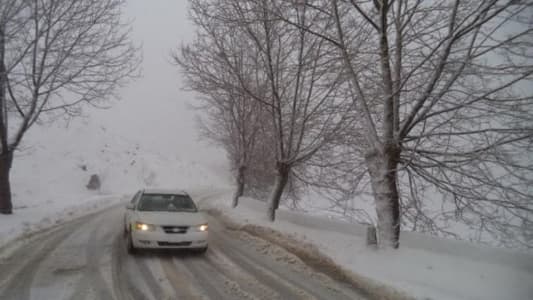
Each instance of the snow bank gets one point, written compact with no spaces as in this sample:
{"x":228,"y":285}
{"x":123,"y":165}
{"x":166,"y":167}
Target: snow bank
{"x":36,"y":217}
{"x":425,"y":267}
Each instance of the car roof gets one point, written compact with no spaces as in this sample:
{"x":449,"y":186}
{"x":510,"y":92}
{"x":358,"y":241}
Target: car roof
{"x":165,"y":191}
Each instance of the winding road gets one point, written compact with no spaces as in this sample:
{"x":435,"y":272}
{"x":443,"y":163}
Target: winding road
{"x":87,"y":259}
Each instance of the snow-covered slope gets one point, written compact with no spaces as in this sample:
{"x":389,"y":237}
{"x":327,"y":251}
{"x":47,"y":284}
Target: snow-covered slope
{"x":53,"y":167}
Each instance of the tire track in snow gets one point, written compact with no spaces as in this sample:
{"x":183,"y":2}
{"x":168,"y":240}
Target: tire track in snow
{"x":247,"y":281}
{"x":142,"y":263}
{"x":122,"y":283}
{"x":9,"y":263}
{"x":157,"y":270}
{"x":301,"y":281}
{"x":18,"y":286}
{"x":290,"y":270}
{"x":225,"y":285}
{"x":233,"y":268}
{"x":262,"y":274}
{"x":92,"y":280}
{"x":180,"y":280}
{"x":136,"y":282}
{"x":62,"y":269}
{"x":206,"y":281}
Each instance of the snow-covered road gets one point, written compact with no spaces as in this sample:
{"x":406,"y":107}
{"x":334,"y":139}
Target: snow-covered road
{"x":86,"y":259}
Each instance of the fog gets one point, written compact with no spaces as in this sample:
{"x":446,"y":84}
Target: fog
{"x":153,"y":110}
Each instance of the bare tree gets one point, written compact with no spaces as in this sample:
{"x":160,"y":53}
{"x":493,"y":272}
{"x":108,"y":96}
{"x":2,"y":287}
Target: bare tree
{"x":444,"y":90}
{"x":301,"y":97}
{"x":55,"y":56}
{"x":230,"y":119}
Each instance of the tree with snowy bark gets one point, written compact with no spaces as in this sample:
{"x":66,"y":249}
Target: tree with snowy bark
{"x":444,"y":90}
{"x":301,"y":96}
{"x":231,"y":119}
{"x":56,"y":56}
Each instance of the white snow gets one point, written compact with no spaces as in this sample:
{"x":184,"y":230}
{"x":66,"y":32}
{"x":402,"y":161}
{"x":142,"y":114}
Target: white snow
{"x":148,"y":139}
{"x":49,"y":187}
{"x":48,"y":182}
{"x":424,"y":266}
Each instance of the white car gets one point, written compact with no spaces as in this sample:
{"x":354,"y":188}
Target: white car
{"x":164,"y":219}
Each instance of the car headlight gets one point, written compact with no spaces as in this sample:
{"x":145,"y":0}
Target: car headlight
{"x":144,"y":227}
{"x":202,"y":227}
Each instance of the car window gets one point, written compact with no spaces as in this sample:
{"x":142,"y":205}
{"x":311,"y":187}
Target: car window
{"x":166,"y":202}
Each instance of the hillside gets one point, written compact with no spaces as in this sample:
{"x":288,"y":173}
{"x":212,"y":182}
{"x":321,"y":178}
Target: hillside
{"x":53,"y":167}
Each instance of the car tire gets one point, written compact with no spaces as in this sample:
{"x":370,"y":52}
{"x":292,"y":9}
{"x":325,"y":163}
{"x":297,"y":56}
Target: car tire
{"x":129,"y":244}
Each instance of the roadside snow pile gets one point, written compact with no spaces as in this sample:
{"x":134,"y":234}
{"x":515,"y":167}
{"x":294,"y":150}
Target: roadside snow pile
{"x":51,"y":172}
{"x":36,"y":217}
{"x":424,"y":266}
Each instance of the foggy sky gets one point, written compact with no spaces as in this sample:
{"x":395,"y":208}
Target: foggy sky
{"x":153,"y":110}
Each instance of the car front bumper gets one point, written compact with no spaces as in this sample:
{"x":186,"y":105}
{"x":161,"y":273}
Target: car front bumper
{"x":162,"y":240}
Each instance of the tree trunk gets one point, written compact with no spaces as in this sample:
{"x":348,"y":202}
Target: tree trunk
{"x":382,"y":166}
{"x":240,"y":186}
{"x":282,"y":177}
{"x":6,"y":206}
{"x":6,"y":156}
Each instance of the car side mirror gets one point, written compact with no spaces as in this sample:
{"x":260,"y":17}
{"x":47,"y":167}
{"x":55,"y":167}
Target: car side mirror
{"x":130,"y":206}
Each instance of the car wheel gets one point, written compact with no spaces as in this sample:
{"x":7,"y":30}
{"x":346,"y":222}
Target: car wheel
{"x":130,"y":246}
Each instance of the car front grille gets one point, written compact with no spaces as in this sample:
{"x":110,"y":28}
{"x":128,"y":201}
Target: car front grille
{"x":173,"y":244}
{"x":175,"y":229}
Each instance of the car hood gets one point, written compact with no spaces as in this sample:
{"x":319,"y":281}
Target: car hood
{"x":171,"y":218}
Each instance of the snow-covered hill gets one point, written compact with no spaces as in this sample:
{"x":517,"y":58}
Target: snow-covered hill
{"x":67,"y":158}
{"x":53,"y":167}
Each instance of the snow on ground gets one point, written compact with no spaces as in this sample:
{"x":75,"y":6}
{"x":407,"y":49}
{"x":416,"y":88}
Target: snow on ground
{"x":51,"y":171}
{"x":360,"y":209}
{"x":424,"y":266}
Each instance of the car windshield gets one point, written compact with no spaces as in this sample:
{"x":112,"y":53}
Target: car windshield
{"x":166,"y":202}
